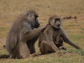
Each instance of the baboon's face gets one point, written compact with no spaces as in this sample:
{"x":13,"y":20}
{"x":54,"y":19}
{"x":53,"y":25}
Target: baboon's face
{"x":56,"y":22}
{"x":32,"y":18}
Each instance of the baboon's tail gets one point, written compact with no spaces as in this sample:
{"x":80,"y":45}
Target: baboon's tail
{"x":4,"y":56}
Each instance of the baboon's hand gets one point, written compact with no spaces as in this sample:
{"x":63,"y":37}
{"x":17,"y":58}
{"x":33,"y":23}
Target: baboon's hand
{"x":42,"y":27}
{"x":62,"y":48}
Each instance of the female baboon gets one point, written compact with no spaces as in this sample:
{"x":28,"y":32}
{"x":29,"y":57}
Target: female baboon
{"x":48,"y":38}
{"x":22,"y":35}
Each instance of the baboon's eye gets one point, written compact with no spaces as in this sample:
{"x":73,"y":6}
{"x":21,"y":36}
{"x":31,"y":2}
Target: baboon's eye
{"x":57,"y":19}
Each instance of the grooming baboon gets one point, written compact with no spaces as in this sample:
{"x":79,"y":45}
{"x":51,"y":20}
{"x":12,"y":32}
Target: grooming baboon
{"x":22,"y":35}
{"x":48,"y":37}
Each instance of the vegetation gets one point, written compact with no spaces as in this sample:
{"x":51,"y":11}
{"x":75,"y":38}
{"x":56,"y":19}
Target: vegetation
{"x":10,"y":9}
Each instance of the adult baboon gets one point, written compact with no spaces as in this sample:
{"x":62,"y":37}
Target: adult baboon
{"x":48,"y":37}
{"x":22,"y":35}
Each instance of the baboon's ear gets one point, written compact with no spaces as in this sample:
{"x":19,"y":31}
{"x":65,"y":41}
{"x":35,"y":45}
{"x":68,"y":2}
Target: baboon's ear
{"x":50,"y":19}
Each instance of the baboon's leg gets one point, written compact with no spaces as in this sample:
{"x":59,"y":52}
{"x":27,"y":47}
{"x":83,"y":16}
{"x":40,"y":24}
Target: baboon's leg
{"x":31,"y":46}
{"x":23,"y":50}
{"x":48,"y":34}
{"x":15,"y":52}
{"x":45,"y":48}
{"x":33,"y":49}
{"x":20,"y":51}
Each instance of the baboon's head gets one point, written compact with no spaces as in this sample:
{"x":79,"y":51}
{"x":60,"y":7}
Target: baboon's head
{"x":55,"y":21}
{"x":32,"y":18}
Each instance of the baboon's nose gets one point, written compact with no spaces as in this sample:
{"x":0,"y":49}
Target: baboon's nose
{"x":58,"y":25}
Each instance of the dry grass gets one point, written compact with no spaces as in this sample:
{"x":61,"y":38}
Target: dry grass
{"x":10,"y":9}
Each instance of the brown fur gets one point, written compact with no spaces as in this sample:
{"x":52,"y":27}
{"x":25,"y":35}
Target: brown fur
{"x":22,"y":35}
{"x":59,"y":43}
{"x":50,"y":41}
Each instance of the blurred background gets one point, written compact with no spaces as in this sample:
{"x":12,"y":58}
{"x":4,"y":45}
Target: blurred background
{"x":74,"y":28}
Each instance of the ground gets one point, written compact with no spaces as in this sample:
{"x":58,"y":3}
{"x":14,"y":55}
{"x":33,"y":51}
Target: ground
{"x":10,"y":9}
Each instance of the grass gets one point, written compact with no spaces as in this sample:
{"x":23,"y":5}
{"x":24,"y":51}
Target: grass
{"x":10,"y":9}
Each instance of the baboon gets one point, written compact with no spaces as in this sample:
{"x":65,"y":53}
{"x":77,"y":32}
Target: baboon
{"x":48,"y":37}
{"x":23,"y":34}
{"x":59,"y":43}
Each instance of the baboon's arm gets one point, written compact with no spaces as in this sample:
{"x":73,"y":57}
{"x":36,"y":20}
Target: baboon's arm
{"x":67,"y":40}
{"x":48,"y":34}
{"x":32,"y":33}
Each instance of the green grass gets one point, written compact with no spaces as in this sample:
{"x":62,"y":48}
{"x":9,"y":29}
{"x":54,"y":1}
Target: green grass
{"x":70,"y":56}
{"x":10,"y":9}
